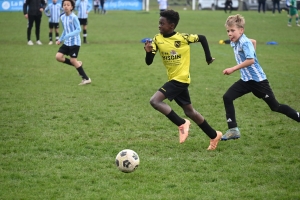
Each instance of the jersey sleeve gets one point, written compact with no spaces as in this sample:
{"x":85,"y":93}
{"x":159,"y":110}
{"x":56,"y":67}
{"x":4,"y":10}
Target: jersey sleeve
{"x":76,"y":31}
{"x":77,"y":5}
{"x":62,"y":36}
{"x":46,"y":11}
{"x":89,"y":7}
{"x":193,"y":38}
{"x":154,"y":46}
{"x":248,"y":49}
{"x":25,"y":5}
{"x":205,"y":46}
{"x":190,"y":38}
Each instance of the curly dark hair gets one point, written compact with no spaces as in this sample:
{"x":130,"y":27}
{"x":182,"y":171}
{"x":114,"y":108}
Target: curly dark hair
{"x":72,"y":3}
{"x":171,"y":16}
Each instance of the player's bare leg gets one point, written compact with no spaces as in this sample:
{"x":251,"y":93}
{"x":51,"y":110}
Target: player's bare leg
{"x":157,"y":103}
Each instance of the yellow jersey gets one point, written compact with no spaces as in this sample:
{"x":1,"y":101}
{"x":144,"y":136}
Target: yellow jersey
{"x":175,"y":53}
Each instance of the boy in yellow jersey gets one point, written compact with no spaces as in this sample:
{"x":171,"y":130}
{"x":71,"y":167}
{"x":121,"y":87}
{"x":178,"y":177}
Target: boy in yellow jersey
{"x":175,"y":52}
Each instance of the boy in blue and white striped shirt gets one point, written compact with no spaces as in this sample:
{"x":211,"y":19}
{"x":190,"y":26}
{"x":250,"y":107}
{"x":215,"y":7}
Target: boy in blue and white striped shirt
{"x":83,"y":7}
{"x":72,"y":42}
{"x":253,"y":79}
{"x":53,"y":12}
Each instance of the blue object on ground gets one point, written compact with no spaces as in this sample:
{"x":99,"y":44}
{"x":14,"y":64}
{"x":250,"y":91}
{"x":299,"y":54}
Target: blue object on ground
{"x":272,"y":43}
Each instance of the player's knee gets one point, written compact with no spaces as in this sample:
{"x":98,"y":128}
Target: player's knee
{"x":153,"y":103}
{"x":190,"y":112}
{"x":274,"y":107}
{"x":273,"y":104}
{"x":59,"y":57}
{"x":227,"y":98}
{"x":187,"y":113}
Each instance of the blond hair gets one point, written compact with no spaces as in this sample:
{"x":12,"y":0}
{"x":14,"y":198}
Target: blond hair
{"x":235,"y":20}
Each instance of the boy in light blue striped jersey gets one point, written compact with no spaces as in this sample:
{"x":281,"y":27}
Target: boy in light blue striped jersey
{"x":53,"y":11}
{"x":253,"y":79}
{"x":72,"y":41}
{"x":83,"y":7}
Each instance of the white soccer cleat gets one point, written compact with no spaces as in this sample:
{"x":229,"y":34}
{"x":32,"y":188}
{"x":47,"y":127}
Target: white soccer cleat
{"x":30,"y":42}
{"x":84,"y":81}
{"x":50,"y":43}
{"x":38,"y":42}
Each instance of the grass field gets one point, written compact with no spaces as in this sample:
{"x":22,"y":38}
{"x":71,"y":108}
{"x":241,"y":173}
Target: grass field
{"x":59,"y":140}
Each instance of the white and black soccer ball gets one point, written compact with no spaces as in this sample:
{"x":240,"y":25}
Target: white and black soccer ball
{"x":127,"y":160}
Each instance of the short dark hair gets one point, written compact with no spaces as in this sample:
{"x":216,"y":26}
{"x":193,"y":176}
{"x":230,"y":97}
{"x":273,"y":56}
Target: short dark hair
{"x":72,"y":3}
{"x":171,"y":16}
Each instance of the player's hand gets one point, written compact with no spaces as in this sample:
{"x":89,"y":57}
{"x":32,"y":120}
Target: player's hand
{"x":26,"y":16}
{"x":57,"y":42}
{"x":148,"y":46}
{"x":228,"y":71}
{"x":41,"y":9}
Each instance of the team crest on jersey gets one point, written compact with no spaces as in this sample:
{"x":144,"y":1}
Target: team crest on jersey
{"x":177,"y":44}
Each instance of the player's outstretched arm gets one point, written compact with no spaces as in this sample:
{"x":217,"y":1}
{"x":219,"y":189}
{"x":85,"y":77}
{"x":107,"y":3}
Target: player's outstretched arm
{"x":204,"y":43}
{"x":246,"y":63}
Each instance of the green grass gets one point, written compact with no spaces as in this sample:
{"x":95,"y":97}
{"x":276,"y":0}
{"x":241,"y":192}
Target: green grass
{"x":59,"y":140}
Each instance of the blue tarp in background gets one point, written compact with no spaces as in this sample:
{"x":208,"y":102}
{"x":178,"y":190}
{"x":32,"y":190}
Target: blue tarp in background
{"x":17,"y":5}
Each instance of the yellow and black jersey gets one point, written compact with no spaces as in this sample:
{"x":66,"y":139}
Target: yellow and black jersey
{"x":175,"y":53}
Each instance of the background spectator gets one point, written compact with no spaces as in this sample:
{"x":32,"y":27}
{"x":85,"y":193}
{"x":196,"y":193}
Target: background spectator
{"x":262,"y":4}
{"x":33,"y":10}
{"x":228,"y":4}
{"x":276,"y":3}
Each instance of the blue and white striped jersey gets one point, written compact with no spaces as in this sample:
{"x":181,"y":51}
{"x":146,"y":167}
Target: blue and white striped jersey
{"x":83,"y":7}
{"x":244,"y":49}
{"x":162,"y":4}
{"x":71,"y":32}
{"x":53,"y":12}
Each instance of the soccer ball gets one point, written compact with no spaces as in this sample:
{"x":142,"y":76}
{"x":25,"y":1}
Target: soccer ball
{"x":127,"y":160}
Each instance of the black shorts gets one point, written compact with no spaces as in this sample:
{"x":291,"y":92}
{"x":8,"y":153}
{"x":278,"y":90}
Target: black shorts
{"x":71,"y":51}
{"x":53,"y":25}
{"x":177,"y":91}
{"x":260,"y":89}
{"x":83,"y":21}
